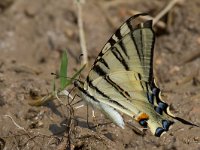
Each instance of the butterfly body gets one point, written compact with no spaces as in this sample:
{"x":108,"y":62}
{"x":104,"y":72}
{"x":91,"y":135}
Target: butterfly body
{"x":121,"y":79}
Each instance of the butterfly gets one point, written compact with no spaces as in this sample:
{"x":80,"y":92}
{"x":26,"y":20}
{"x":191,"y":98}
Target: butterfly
{"x":121,"y":79}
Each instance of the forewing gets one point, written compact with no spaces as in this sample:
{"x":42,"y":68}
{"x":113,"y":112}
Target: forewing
{"x":129,"y":49}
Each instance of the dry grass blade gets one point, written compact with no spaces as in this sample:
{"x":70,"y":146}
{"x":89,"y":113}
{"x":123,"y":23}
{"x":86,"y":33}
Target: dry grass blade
{"x":160,"y":24}
{"x":116,"y":3}
{"x":18,"y":126}
{"x":170,"y":5}
{"x":81,"y":32}
{"x":41,"y":100}
{"x":190,"y":57}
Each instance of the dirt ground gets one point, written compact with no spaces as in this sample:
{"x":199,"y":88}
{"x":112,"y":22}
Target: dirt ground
{"x":32,"y":37}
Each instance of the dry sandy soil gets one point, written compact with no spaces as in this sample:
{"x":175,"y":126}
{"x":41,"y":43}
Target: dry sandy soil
{"x":32,"y":37}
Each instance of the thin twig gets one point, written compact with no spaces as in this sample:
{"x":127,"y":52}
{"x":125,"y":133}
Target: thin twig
{"x":190,"y":57}
{"x":51,"y":96}
{"x":135,"y":129}
{"x":160,"y":24}
{"x":116,"y":3}
{"x":165,"y":10}
{"x":56,"y":95}
{"x":81,"y":32}
{"x":18,"y":126}
{"x":65,"y":93}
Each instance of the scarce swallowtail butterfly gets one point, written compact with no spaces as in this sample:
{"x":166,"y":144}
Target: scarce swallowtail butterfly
{"x":121,"y":79}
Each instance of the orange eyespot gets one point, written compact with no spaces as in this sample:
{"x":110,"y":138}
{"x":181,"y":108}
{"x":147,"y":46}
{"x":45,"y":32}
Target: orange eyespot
{"x":142,"y":116}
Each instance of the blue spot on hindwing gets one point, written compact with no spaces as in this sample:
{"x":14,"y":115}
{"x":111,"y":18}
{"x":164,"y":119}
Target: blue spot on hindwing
{"x":155,"y":91}
{"x":166,"y":124}
{"x":159,"y":131}
{"x":159,"y":110}
{"x":162,"y":105}
{"x":150,"y":98}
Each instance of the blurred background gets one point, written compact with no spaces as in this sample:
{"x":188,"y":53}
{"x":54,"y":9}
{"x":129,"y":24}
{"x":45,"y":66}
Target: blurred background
{"x":33,"y":35}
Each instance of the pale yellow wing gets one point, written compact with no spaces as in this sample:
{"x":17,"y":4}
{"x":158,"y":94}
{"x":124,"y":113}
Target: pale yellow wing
{"x":121,"y":79}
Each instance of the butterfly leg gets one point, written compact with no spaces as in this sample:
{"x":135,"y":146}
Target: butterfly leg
{"x":80,"y":106}
{"x":93,"y":113}
{"x":94,"y":119}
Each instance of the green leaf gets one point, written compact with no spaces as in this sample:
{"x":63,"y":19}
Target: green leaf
{"x":74,"y":76}
{"x":63,"y":70}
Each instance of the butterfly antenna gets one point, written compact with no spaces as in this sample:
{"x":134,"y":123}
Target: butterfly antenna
{"x":59,"y":76}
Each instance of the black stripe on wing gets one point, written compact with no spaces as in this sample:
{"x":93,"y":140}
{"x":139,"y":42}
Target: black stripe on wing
{"x":97,"y":90}
{"x":99,"y":70}
{"x":77,"y":84}
{"x":119,"y":50}
{"x":124,"y":93}
{"x":104,"y":95}
{"x":106,"y":77}
{"x":120,"y":58}
{"x":104,"y":62}
{"x":131,"y":28}
{"x":140,"y":78}
{"x":85,"y":92}
{"x":139,"y":43}
{"x":119,"y":34}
